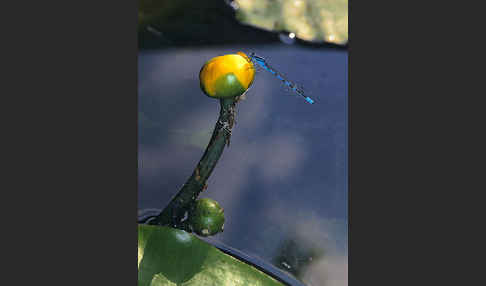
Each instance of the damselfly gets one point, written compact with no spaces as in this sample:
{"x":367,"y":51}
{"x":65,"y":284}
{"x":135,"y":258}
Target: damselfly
{"x":263,"y":63}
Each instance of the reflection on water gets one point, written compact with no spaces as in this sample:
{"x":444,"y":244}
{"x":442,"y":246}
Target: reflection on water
{"x":295,"y":256}
{"x":287,"y":38}
{"x":284,"y":177}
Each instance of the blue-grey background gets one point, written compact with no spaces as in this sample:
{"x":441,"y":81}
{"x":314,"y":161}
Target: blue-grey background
{"x":284,"y":176}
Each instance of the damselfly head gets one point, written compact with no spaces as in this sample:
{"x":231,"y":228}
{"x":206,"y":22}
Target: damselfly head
{"x":248,"y":58}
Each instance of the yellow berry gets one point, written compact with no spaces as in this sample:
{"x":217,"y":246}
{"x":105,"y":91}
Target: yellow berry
{"x":227,"y":76}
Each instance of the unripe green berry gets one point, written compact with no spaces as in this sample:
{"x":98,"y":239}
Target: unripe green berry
{"x":207,"y":217}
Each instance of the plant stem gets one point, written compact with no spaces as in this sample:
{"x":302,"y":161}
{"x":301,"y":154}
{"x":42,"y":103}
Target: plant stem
{"x":174,"y":213}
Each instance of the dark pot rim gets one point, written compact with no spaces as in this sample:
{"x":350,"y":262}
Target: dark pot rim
{"x":256,"y":262}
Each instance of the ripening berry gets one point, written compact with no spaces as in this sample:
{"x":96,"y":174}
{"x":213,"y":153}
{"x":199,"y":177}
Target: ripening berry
{"x":227,"y":76}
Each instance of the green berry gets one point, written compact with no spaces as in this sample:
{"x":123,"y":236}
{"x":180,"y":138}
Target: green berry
{"x":207,"y":217}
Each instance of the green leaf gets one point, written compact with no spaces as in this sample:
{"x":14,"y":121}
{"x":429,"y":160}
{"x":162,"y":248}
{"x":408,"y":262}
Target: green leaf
{"x":168,"y":256}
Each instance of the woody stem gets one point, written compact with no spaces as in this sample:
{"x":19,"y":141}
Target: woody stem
{"x":174,"y":213}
